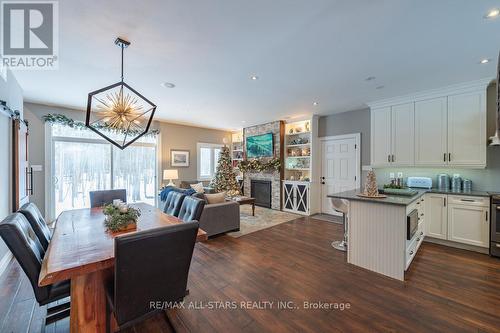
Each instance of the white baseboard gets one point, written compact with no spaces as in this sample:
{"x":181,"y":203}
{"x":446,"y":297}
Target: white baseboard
{"x":457,"y":245}
{"x":5,"y":262}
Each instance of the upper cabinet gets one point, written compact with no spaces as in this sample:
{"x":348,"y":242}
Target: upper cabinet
{"x":430,"y":132}
{"x":467,"y":129}
{"x":445,"y":127}
{"x":392,"y":135}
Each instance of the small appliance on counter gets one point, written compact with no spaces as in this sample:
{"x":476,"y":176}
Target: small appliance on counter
{"x":419,"y":182}
{"x":495,"y":226}
{"x":443,"y":181}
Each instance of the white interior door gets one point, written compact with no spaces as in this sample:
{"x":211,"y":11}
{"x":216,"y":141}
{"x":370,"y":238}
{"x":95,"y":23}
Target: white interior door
{"x":339,"y":167}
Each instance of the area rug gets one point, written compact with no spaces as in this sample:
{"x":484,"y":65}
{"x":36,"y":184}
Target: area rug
{"x":264,"y":218}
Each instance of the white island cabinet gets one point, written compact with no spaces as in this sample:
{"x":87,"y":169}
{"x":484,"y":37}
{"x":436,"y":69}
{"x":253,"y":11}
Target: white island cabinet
{"x":377,"y":232}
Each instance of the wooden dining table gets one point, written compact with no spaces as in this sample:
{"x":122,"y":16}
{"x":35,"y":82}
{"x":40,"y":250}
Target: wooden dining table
{"x":82,"y":250}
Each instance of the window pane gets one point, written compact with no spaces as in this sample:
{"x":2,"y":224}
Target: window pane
{"x":78,"y":169}
{"x":134,"y":169}
{"x":216,"y":158}
{"x":69,"y":132}
{"x":205,"y":163}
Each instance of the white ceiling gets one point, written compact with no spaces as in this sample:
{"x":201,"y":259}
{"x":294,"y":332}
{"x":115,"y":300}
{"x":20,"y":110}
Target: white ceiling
{"x":302,"y":51}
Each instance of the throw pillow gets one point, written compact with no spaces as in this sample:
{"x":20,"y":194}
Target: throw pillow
{"x":198,"y":187}
{"x":216,"y":198}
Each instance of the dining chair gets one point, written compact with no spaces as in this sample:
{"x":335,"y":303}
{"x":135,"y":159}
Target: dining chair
{"x":101,"y":198}
{"x":173,"y":203}
{"x":21,"y":240}
{"x":37,"y":222}
{"x":151,"y":265}
{"x":191,"y":209}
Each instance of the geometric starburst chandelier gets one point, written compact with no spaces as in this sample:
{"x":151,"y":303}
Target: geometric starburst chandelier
{"x":119,"y":113}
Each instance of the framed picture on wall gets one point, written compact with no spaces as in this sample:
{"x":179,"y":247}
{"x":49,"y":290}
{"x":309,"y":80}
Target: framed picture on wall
{"x":179,"y":158}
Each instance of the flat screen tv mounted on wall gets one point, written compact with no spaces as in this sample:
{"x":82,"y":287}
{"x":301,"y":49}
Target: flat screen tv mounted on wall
{"x":260,"y":146}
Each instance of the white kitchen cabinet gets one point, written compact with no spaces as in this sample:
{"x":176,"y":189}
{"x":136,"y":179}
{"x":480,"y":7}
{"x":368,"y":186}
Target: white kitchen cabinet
{"x":381,"y":137}
{"x":467,"y":129}
{"x":431,"y":132}
{"x":392,"y":138}
{"x":436,"y":215}
{"x":468,"y":221}
{"x":403,"y":135}
{"x":296,"y":197}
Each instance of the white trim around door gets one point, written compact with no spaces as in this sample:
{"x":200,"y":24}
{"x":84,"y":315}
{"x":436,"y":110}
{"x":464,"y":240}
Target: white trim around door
{"x":356,"y":137}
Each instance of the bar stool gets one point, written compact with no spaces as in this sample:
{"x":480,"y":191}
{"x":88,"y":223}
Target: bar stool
{"x":341,"y":206}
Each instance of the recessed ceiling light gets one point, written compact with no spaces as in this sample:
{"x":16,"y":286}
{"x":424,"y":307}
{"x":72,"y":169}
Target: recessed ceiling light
{"x":254,"y":77}
{"x":493,"y":13}
{"x":484,"y":61}
{"x":370,"y":78}
{"x":167,"y":85}
{"x":379,"y":87}
{"x":315,"y":103}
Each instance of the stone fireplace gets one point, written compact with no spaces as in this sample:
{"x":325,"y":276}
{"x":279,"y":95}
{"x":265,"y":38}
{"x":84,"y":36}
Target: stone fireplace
{"x":272,"y":179}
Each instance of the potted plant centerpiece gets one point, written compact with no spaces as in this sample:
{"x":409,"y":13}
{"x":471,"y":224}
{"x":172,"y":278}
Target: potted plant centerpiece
{"x":120,"y":216}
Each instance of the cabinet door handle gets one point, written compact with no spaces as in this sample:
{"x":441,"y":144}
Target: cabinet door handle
{"x":393,"y":159}
{"x":411,"y":253}
{"x":389,"y":158}
{"x":449,"y":157}
{"x":468,"y":200}
{"x":444,"y":157}
{"x":486,"y":216}
{"x":444,"y":202}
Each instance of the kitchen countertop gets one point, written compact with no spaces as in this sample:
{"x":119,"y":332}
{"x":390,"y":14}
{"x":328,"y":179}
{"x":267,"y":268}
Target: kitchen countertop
{"x":403,"y":200}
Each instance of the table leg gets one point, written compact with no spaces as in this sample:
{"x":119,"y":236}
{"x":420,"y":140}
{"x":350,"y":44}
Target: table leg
{"x":88,"y":302}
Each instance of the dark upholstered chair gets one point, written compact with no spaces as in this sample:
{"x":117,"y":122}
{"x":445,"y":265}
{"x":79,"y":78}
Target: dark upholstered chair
{"x":150,"y":266}
{"x":173,"y":203}
{"x":37,"y":222}
{"x":191,"y":209}
{"x":101,"y":198}
{"x":17,"y":233}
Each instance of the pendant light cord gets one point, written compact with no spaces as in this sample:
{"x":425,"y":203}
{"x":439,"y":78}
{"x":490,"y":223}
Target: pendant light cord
{"x":122,"y":61}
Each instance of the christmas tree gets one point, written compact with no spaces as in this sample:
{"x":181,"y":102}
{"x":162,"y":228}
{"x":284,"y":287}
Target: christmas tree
{"x":225,"y":178}
{"x":371,"y":188}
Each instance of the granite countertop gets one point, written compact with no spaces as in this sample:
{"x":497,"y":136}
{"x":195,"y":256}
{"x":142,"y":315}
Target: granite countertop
{"x":402,"y":200}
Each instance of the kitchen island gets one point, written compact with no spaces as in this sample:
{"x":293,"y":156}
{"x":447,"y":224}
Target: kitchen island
{"x":377,"y":232}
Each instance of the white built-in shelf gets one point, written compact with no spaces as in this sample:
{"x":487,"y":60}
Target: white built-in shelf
{"x":237,"y":159}
{"x":298,"y":169}
{"x":298,"y":156}
{"x":297,"y":133}
{"x":238,"y":150}
{"x":299,"y":145}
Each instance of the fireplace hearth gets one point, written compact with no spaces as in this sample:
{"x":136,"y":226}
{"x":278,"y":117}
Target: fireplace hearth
{"x":261,"y":191}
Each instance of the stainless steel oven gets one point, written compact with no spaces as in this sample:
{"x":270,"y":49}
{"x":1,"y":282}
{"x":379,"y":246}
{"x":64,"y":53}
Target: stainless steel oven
{"x":495,"y":226}
{"x":411,"y":224}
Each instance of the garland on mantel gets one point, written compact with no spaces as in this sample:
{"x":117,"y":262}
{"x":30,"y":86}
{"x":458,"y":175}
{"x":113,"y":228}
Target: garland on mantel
{"x":260,"y":165}
{"x":61,"y":119}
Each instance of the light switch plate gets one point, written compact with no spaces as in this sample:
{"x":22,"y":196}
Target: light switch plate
{"x":37,"y":167}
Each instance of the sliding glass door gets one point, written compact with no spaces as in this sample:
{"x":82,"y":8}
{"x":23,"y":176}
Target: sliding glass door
{"x":83,"y":162}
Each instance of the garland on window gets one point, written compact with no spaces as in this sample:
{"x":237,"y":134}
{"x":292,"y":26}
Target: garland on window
{"x":260,"y":165}
{"x":61,"y":119}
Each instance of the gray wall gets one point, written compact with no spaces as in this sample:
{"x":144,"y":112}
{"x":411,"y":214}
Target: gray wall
{"x":357,"y":121}
{"x":172,"y":136}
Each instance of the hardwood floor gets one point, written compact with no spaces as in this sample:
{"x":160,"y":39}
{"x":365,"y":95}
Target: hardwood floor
{"x":447,"y":290}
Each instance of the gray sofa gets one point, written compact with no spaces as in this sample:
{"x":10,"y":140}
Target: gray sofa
{"x":218,"y":218}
